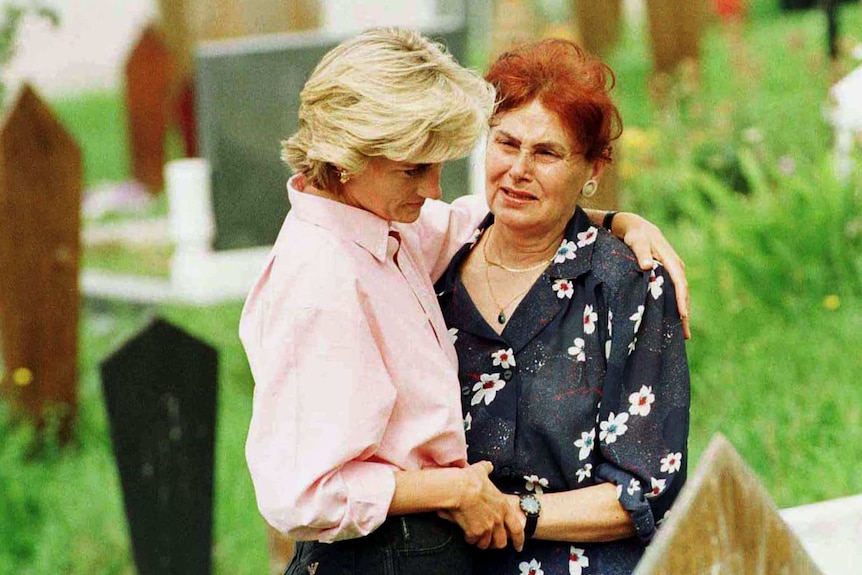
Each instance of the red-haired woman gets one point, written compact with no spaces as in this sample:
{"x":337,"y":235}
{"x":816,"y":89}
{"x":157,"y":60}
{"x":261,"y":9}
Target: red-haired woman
{"x":571,"y":358}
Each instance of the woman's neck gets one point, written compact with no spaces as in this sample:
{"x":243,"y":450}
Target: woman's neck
{"x":513,"y":248}
{"x":301,"y":184}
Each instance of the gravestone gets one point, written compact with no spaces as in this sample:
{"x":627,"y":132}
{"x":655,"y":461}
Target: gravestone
{"x":151,"y":89}
{"x":247,"y":102}
{"x":724,"y":522}
{"x":160,"y":392}
{"x":40,"y":197}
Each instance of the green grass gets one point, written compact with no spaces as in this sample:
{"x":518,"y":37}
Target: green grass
{"x":149,"y":261}
{"x":775,"y":274}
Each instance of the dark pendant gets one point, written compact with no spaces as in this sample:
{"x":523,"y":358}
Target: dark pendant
{"x":501,"y":318}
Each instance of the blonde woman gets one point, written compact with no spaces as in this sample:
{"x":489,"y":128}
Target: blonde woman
{"x":356,"y":441}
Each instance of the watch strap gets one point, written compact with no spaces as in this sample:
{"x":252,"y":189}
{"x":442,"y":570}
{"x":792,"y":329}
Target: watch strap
{"x":530,"y":527}
{"x":608,"y":220}
{"x":532,"y":516}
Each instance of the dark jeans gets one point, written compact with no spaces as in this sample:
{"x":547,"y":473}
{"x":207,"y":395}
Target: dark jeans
{"x":420,"y":544}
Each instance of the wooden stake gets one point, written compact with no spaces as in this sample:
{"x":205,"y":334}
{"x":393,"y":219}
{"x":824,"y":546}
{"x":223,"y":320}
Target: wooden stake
{"x":151,"y":71}
{"x":40,"y":197}
{"x":598,"y":24}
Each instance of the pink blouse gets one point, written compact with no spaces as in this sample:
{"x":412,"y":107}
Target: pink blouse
{"x":355,"y":373}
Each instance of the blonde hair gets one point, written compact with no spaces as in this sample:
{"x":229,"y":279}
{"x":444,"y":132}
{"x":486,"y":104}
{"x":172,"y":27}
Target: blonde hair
{"x":386,"y":93}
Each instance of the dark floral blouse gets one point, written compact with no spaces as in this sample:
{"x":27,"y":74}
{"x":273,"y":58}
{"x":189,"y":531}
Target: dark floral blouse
{"x":588,"y":383}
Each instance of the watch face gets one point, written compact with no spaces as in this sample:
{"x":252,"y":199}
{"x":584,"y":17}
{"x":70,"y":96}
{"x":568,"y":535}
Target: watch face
{"x":530,"y":505}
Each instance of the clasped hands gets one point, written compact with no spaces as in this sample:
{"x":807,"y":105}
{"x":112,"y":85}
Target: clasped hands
{"x":488,"y":517}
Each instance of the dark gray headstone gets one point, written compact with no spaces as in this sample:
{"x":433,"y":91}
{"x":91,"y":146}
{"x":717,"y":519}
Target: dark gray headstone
{"x":247,"y":101}
{"x":160,"y":391}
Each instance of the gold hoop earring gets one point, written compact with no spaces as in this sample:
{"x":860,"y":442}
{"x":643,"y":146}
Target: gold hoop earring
{"x":589,"y":189}
{"x":343,"y":176}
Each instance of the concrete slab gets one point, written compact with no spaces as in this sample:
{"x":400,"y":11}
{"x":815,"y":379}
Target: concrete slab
{"x":831,"y":533}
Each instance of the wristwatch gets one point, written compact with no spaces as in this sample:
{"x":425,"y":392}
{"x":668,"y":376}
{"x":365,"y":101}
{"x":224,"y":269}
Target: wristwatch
{"x":531,"y":507}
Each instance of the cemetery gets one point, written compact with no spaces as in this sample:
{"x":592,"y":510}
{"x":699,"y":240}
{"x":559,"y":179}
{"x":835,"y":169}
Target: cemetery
{"x":134,"y":218}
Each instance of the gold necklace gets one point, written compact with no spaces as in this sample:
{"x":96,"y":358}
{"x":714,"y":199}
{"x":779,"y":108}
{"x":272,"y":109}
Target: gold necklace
{"x":505,"y":267}
{"x":501,"y":316}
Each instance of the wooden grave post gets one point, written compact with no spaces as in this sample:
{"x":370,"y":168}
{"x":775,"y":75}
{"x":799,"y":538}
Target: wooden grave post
{"x":40,"y":197}
{"x":160,"y":390}
{"x":178,"y":34}
{"x":598,"y":24}
{"x":724,"y":522}
{"x":675,"y":28}
{"x":150,"y":96}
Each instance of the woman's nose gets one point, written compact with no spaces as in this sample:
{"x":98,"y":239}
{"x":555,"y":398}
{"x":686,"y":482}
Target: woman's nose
{"x":430,"y":187}
{"x":522,"y":165}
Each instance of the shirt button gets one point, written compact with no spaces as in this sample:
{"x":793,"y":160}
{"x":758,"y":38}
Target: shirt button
{"x":507,"y":375}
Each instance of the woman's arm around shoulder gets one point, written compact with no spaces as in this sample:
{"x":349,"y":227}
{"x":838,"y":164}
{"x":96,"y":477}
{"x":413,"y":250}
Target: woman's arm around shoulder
{"x":648,"y":244}
{"x":644,"y":417}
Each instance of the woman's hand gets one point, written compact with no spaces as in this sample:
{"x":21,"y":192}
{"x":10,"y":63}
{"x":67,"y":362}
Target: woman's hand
{"x":484,"y":513}
{"x":648,"y":243}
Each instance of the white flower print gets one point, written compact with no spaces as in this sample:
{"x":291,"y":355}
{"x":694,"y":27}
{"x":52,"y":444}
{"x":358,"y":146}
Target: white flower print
{"x":468,"y":422}
{"x":657,"y":486}
{"x":655,"y":284}
{"x":610,"y":323}
{"x":590,"y":318}
{"x":504,"y":358}
{"x":637,"y":316}
{"x":577,"y":561}
{"x":587,"y":237}
{"x":584,"y":472}
{"x":564,"y":288}
{"x":633,"y":345}
{"x":476,"y":235}
{"x":634,"y":486}
{"x":641,"y":401}
{"x":453,"y":334}
{"x":614,"y":427}
{"x":566,"y":251}
{"x":486,"y":388}
{"x":671,"y":462}
{"x":532,"y":568}
{"x":535,"y":483}
{"x":586,"y":443}
{"x":577,"y":349}
{"x":608,"y":349}
{"x":619,"y":489}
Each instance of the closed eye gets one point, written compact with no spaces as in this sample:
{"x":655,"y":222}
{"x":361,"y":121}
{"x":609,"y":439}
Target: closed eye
{"x":548,"y":153}
{"x":508,"y":144}
{"x":418,"y":170}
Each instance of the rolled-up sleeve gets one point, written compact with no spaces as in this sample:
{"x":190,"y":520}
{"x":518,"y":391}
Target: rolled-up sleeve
{"x":644,"y":416}
{"x":322,"y":400}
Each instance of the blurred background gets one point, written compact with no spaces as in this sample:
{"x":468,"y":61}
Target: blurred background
{"x":736,"y":143}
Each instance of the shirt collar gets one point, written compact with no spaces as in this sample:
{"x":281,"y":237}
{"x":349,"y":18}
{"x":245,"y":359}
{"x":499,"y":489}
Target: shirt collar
{"x":569,"y":262}
{"x":575,"y":254}
{"x":369,"y":231}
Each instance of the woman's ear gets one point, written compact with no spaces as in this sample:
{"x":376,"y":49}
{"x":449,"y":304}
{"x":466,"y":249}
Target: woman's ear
{"x":598,"y":169}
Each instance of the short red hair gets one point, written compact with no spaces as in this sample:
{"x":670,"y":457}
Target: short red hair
{"x":568,"y":81}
